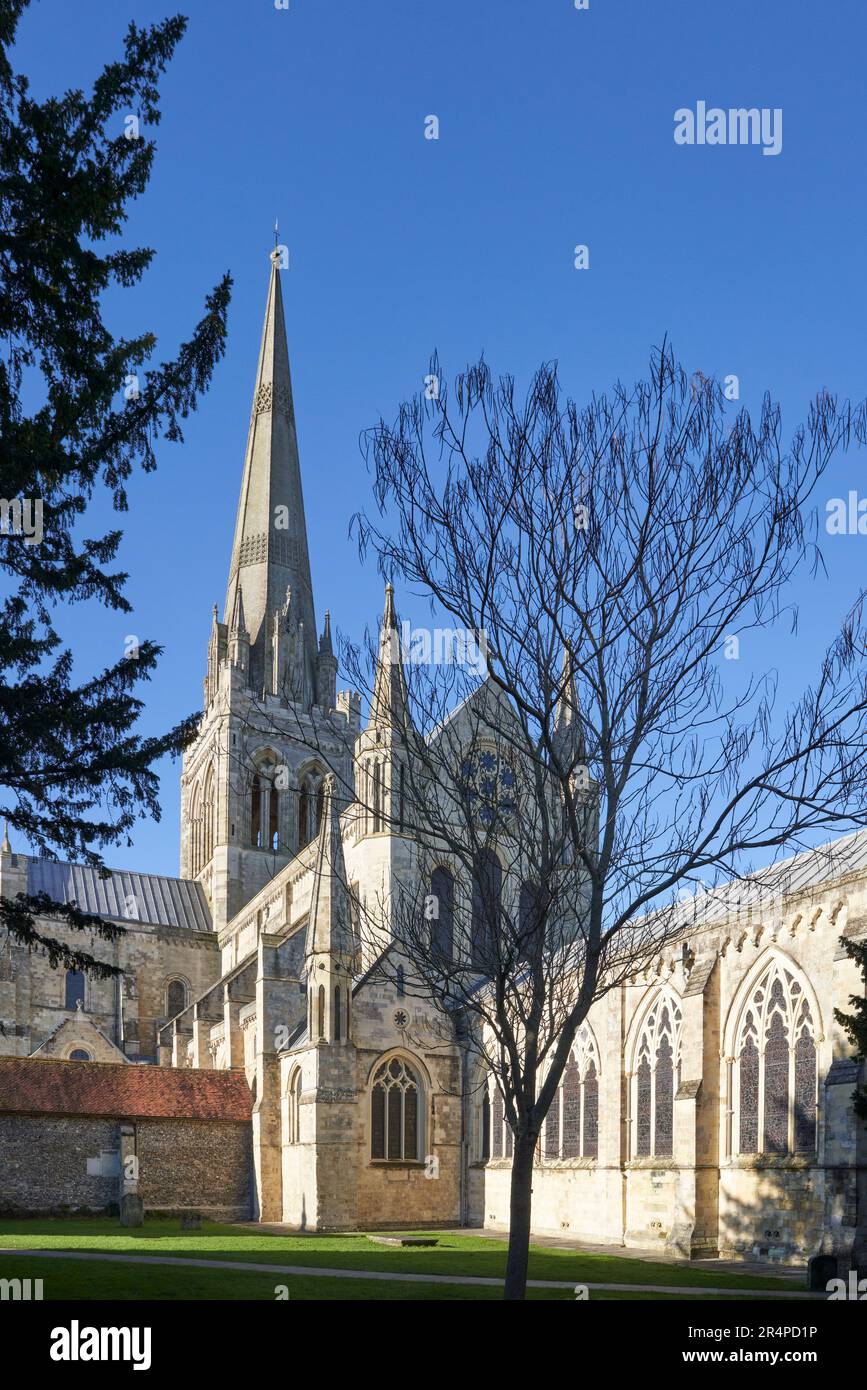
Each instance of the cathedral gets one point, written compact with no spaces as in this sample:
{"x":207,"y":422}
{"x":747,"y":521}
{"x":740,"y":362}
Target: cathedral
{"x":707,"y":1106}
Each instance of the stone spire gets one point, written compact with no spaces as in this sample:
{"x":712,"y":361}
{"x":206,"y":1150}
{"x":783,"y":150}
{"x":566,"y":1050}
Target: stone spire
{"x":239,"y":635}
{"x":5,"y":848}
{"x":329,"y":930}
{"x":269,"y":553}
{"x":326,"y":678}
{"x":568,"y":728}
{"x":389,"y":706}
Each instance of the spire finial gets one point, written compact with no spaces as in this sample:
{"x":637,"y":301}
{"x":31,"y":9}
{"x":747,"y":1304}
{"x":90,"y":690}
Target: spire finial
{"x":389,"y":617}
{"x":275,"y":255}
{"x":5,"y":848}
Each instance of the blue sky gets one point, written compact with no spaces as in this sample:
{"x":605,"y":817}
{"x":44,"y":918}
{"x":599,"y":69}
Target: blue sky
{"x":556,"y":128}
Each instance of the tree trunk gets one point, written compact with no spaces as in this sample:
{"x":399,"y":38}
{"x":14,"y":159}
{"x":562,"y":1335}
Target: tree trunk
{"x":521,"y":1197}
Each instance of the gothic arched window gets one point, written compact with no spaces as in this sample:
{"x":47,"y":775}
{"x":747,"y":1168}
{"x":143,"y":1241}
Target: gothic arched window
{"x":442,"y":912}
{"x":395,"y":1113}
{"x":590,"y":1128}
{"x":321,"y":1012}
{"x":337,"y":1013}
{"x":772,"y":1083}
{"x":529,"y":926}
{"x":497,"y":1126}
{"x":656,"y":1073}
{"x":74,"y":991}
{"x":303,"y":815}
{"x":572,"y":1122}
{"x":552,"y":1126}
{"x":487,"y":899}
{"x":208,"y":818}
{"x":196,"y":836}
{"x":571,"y":1098}
{"x":295,"y":1108}
{"x":311,"y":808}
{"x":256,"y":812}
{"x":176,"y":997}
{"x":485,"y":1125}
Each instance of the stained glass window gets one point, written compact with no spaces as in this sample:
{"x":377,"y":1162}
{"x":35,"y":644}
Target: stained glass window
{"x":805,"y":1085}
{"x":749,"y":1089}
{"x":776,"y":1087}
{"x":552,"y":1128}
{"x":497,"y":1138}
{"x":642,"y":1147}
{"x":664,"y":1117}
{"x":659,"y":1062}
{"x":571,"y":1110}
{"x":591,"y":1112}
{"x":776,"y":1043}
{"x":395,"y":1112}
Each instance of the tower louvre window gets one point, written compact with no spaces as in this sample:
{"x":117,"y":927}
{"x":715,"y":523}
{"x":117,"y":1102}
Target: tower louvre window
{"x":377,"y":795}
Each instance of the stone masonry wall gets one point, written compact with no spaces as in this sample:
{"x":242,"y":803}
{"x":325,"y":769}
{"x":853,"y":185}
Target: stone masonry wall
{"x":203,"y":1165}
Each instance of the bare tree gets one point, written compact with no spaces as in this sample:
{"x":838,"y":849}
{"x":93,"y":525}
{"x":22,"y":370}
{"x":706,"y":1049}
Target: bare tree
{"x":609,"y":558}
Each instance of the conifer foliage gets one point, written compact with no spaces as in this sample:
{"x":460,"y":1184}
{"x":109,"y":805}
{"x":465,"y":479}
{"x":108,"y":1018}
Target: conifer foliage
{"x":80,"y":409}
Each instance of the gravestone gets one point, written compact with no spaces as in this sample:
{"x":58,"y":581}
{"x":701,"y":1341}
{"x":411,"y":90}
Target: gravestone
{"x":131,"y":1209}
{"x":191,"y":1221}
{"x":821,"y":1268}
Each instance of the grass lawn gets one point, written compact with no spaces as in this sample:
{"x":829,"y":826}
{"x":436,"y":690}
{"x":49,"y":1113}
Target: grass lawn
{"x":454,"y":1255}
{"x":72,"y":1281}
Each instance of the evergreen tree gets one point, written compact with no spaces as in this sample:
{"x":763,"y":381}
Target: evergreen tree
{"x":855,"y":1024}
{"x":80,"y":408}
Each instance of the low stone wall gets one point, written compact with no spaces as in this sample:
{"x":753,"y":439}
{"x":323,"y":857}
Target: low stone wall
{"x":55,"y":1165}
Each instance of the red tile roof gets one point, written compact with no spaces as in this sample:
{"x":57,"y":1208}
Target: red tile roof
{"x":48,"y":1086}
